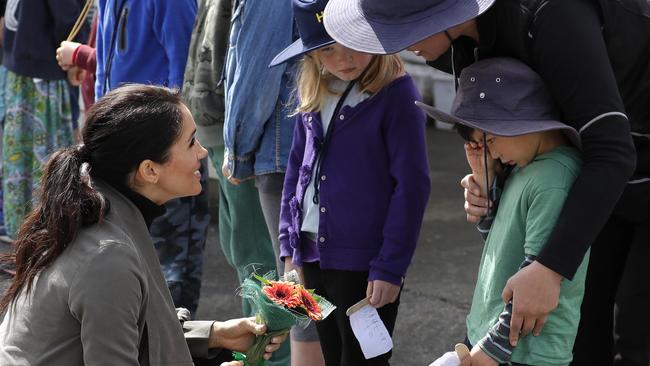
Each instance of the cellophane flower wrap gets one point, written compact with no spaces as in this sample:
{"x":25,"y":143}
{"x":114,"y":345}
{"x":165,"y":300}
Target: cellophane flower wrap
{"x":280,"y":304}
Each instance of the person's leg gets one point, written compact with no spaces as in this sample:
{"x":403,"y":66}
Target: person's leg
{"x":328,"y":333}
{"x":243,"y":235}
{"x":632,"y":318}
{"x":38,"y":121}
{"x":305,"y":346}
{"x":594,"y":342}
{"x":179,"y":237}
{"x":340,"y":346}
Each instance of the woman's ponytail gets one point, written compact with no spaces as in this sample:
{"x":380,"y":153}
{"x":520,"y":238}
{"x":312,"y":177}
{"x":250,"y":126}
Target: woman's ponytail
{"x":66,"y":202}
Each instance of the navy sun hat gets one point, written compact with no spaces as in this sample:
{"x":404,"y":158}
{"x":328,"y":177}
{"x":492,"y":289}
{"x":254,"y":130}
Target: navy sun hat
{"x":309,"y":19}
{"x":503,"y":97}
{"x":389,"y":26}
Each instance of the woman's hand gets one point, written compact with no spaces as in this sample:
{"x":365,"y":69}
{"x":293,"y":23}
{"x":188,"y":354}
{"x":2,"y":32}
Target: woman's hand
{"x":64,"y":54}
{"x":380,"y":293}
{"x":475,"y":204}
{"x":238,"y":335}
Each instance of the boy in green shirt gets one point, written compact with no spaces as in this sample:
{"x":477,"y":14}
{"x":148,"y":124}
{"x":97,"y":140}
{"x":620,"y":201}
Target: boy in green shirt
{"x":508,"y":119}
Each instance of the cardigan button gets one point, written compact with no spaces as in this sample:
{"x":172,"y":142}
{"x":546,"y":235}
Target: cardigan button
{"x":341,"y":117}
{"x":323,"y":177}
{"x":323,"y":209}
{"x":321,"y":239}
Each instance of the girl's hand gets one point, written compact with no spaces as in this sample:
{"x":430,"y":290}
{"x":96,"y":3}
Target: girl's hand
{"x":64,"y":54}
{"x":480,"y":358}
{"x":289,"y":266}
{"x":238,"y":335}
{"x":380,"y":293}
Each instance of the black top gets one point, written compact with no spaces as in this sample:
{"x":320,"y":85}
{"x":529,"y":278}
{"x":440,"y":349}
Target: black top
{"x":149,"y":210}
{"x":566,"y":47}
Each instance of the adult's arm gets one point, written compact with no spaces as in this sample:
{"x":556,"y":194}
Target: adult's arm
{"x":260,"y":30}
{"x":172,"y":22}
{"x":570,"y":54}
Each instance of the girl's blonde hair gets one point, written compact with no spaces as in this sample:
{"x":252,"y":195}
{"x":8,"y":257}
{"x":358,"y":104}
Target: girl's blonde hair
{"x":313,"y":80}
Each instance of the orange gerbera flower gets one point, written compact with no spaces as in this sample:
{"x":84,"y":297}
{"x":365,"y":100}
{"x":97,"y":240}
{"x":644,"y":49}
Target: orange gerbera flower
{"x":312,"y":307}
{"x":282,"y":293}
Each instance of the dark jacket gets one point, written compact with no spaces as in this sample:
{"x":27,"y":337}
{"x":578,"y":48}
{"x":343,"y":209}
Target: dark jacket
{"x":33,"y":31}
{"x":594,"y":56}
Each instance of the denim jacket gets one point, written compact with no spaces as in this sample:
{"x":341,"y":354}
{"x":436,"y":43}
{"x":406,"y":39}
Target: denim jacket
{"x":257,"y":130}
{"x":374,"y":185}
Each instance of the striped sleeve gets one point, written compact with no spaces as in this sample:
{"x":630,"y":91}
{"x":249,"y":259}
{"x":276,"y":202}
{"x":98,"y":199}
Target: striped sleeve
{"x":496,"y":343}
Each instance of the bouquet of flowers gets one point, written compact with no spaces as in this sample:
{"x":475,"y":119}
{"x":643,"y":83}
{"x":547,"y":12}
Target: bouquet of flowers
{"x":280,"y":305}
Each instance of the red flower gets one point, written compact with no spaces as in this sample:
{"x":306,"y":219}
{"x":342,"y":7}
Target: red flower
{"x":282,"y":293}
{"x":312,"y":307}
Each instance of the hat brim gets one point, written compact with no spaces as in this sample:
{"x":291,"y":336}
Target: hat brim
{"x":504,"y":128}
{"x":296,"y":49}
{"x":346,"y":22}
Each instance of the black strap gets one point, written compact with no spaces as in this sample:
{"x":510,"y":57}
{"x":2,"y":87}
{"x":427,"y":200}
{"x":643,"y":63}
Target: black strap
{"x":320,"y":153}
{"x":117,"y":13}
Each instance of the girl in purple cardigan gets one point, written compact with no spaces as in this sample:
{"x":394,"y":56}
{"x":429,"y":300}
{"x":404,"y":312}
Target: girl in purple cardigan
{"x":357,"y":181}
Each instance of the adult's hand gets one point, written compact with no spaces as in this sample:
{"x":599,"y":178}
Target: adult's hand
{"x":239,"y":334}
{"x":534,"y":291}
{"x":64,"y":54}
{"x":475,"y":204}
{"x":380,"y":293}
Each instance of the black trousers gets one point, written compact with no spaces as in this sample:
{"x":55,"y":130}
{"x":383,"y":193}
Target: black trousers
{"x":344,"y":289}
{"x":619,"y":272}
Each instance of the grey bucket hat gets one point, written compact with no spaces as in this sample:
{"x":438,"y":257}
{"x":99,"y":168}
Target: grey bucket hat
{"x":503,"y":97}
{"x":389,"y":26}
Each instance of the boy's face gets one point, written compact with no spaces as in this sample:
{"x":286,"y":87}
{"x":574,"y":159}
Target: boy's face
{"x":517,"y":150}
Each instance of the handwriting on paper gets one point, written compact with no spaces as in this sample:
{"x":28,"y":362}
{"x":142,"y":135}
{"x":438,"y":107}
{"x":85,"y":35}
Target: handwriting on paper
{"x":371,"y":332}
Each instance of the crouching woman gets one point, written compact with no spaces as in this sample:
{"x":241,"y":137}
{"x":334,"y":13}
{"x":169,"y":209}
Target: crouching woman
{"x":88,"y":288}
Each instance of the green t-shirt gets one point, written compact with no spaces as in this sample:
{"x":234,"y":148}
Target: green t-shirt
{"x":530,"y":203}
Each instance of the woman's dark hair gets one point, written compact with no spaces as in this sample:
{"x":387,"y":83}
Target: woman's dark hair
{"x":464,"y":131}
{"x":128,"y":125}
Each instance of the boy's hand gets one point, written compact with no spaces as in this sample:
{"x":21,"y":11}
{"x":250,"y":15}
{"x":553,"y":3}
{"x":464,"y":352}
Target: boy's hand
{"x":475,"y":204}
{"x":476,"y":158}
{"x":480,"y":358}
{"x":380,"y":293}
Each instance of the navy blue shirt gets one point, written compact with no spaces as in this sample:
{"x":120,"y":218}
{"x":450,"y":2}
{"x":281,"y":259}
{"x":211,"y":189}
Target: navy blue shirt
{"x":33,"y":32}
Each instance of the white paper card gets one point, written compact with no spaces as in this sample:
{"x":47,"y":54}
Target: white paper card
{"x":371,"y":332}
{"x":448,"y":359}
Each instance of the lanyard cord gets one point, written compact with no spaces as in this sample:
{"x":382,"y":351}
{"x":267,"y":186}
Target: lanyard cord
{"x":487,"y":178}
{"x":320,"y":154}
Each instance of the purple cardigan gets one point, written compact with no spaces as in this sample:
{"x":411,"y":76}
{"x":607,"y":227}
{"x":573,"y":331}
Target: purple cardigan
{"x":374,"y":185}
